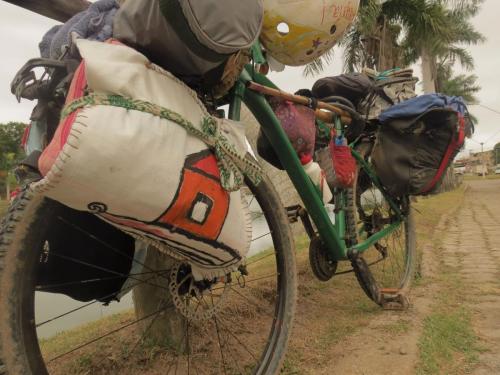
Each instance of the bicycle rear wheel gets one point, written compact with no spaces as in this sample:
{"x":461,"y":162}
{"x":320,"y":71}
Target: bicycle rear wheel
{"x":239,"y":324}
{"x":391,"y":260}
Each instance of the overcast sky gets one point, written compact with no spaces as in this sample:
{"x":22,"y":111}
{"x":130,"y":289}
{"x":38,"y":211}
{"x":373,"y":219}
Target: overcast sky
{"x":20,"y":32}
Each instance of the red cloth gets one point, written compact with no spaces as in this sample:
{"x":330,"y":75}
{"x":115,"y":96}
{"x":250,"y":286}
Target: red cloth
{"x":344,"y":165}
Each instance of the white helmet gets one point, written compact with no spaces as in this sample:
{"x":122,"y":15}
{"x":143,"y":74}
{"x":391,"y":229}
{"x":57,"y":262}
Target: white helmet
{"x":295,"y":32}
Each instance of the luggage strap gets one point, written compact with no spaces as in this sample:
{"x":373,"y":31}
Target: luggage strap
{"x":457,"y":141}
{"x":231,"y":164}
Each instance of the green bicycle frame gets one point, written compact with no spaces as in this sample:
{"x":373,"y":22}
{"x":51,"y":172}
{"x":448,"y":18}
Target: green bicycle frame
{"x":332,"y":235}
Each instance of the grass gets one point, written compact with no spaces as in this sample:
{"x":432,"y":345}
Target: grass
{"x":487,"y":177}
{"x":328,"y":313}
{"x":3,"y":206}
{"x":448,"y":344}
{"x":60,"y":342}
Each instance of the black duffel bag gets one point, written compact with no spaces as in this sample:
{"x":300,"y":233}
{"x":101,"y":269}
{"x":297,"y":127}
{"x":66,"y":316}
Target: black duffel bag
{"x":412,"y":154}
{"x":83,"y":257}
{"x":351,"y":86}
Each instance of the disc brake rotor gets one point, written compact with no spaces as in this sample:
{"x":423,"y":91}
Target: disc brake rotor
{"x":196,"y":300}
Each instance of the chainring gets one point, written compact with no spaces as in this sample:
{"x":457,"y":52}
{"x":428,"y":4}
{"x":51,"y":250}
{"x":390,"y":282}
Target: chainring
{"x":196,"y":300}
{"x":323,"y":268}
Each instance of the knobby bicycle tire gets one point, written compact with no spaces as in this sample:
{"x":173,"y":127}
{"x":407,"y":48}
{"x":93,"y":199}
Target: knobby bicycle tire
{"x":397,"y":269}
{"x":22,"y":231}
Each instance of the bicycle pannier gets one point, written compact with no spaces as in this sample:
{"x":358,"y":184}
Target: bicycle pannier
{"x":412,"y":154}
{"x":189,"y":38}
{"x":389,"y":88}
{"x":68,"y":246}
{"x":352,"y":86}
{"x":134,"y":146}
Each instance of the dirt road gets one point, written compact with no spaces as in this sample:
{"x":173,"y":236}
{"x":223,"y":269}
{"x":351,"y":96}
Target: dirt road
{"x":465,"y":251}
{"x":473,"y":245}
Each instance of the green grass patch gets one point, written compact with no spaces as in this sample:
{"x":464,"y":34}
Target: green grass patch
{"x":3,"y":207}
{"x":487,"y":177}
{"x":69,"y":339}
{"x":448,"y":344}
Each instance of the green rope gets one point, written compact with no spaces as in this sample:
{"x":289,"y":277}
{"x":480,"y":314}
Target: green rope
{"x":231,"y":164}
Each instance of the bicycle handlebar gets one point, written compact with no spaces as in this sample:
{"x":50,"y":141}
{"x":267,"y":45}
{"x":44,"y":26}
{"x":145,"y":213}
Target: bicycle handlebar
{"x":345,"y":112}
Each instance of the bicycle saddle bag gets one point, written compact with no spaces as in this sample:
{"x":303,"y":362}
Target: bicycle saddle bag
{"x":412,"y":154}
{"x":136,"y":147}
{"x":189,"y":38}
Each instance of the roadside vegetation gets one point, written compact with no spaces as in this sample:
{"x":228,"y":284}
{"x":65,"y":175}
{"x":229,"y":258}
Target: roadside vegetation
{"x":3,"y":207}
{"x":448,"y":344}
{"x":487,"y":177}
{"x":328,"y":313}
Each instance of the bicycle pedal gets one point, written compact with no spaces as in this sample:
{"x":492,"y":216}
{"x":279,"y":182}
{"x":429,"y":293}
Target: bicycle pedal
{"x":393,"y":299}
{"x":297,"y":212}
{"x":293,"y":213}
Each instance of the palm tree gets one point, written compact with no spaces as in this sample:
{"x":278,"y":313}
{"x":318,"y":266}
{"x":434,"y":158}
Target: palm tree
{"x":393,"y":33}
{"x":399,"y":32}
{"x":451,"y":31}
{"x":460,"y":85}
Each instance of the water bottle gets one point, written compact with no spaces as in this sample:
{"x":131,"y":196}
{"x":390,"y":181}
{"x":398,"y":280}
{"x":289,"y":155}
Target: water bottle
{"x":318,"y":178}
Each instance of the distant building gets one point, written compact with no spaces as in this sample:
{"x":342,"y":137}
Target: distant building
{"x":496,"y":151}
{"x":475,"y":161}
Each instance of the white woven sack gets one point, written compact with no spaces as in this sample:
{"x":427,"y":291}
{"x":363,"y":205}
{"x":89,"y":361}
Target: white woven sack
{"x":146,"y":174}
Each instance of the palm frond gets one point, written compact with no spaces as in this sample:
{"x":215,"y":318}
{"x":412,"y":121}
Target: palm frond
{"x":317,"y":66}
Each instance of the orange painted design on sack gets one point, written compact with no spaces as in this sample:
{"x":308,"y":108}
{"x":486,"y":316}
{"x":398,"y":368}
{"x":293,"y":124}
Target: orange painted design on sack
{"x":193,"y":184}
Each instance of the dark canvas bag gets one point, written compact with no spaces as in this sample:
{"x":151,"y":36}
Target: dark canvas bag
{"x":411,"y":155}
{"x":386,"y":93}
{"x":352,"y":86}
{"x":80,"y":266}
{"x":189,"y":38}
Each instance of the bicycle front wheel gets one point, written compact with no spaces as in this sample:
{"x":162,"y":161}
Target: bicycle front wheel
{"x":391,"y":260}
{"x":239,"y":324}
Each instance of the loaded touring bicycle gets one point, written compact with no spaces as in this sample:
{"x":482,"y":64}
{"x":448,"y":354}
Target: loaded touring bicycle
{"x":144,"y":185}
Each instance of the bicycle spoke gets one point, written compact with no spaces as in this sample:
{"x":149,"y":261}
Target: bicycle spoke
{"x":228,"y":345}
{"x":258,"y":260}
{"x":188,"y":346}
{"x":43,"y":288}
{"x":108,"y":334}
{"x":261,"y":236}
{"x":220,"y":347}
{"x":251,"y":280}
{"x":89,"y":304}
{"x":81,"y":230}
{"x":225,"y":324}
{"x":102,"y":269}
{"x":239,"y":342}
{"x":144,"y":333}
{"x":259,"y":307}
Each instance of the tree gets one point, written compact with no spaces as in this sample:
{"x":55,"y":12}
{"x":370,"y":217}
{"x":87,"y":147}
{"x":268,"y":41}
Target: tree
{"x":460,"y":85}
{"x":445,"y":41}
{"x":399,"y":32}
{"x":11,"y":135}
